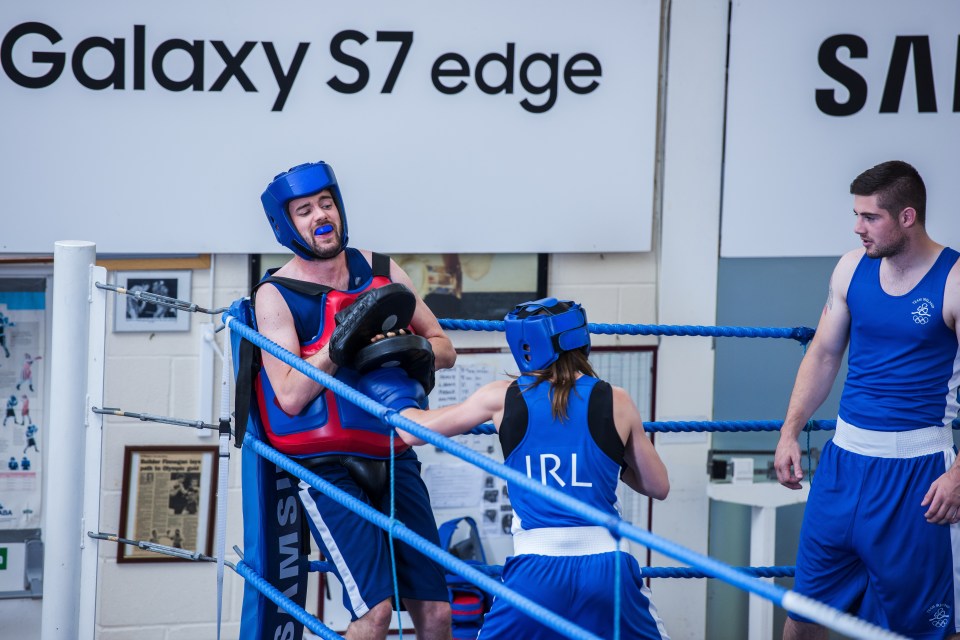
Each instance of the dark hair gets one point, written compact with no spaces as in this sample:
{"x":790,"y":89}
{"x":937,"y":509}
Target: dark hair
{"x":562,"y":375}
{"x":897,"y":186}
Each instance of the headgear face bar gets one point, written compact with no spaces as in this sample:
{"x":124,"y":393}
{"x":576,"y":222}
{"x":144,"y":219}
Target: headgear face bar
{"x":298,"y":182}
{"x":539,"y":331}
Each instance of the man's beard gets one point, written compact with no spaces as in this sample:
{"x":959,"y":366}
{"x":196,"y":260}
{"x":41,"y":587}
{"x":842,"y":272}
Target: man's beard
{"x":330,"y":251}
{"x":895,"y":248}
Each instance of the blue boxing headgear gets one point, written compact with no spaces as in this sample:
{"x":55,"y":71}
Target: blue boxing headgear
{"x":300,"y":181}
{"x":539,"y":331}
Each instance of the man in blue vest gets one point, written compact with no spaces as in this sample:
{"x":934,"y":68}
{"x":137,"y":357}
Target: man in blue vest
{"x":880,"y":534}
{"x":309,"y":306}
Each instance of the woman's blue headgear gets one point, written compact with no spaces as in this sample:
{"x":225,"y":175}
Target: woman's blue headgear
{"x":539,"y":331}
{"x":298,"y":182}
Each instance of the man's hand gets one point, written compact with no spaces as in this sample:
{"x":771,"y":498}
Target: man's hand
{"x":786,"y":461}
{"x":943,"y":499}
{"x":374,"y":312}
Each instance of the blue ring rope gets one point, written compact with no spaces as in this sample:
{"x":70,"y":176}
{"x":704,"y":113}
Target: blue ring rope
{"x":495,"y":570}
{"x":619,"y":528}
{"x":712,"y":568}
{"x":803,"y":335}
{"x":299,"y":613}
{"x":687,"y":572}
{"x":711,"y":426}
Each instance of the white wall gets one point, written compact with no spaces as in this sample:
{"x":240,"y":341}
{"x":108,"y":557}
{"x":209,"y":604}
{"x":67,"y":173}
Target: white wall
{"x":159,"y":374}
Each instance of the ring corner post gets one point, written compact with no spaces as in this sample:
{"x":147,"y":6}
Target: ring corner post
{"x":64,"y":493}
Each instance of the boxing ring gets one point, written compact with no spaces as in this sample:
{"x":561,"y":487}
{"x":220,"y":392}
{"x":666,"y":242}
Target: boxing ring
{"x":80,"y":294}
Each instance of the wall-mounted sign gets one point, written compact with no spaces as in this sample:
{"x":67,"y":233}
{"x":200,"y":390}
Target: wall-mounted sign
{"x":469,"y":127}
{"x":820,"y":91}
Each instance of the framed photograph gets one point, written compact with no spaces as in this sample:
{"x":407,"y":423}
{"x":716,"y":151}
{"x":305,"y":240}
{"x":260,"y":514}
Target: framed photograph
{"x":131,"y":314}
{"x":168,"y":497}
{"x":476,"y":286}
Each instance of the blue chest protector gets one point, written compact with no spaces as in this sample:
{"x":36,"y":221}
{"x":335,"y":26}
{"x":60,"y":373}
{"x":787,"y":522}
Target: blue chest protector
{"x":327,"y":425}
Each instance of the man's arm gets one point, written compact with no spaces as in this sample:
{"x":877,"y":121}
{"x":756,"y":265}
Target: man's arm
{"x":274,"y":321}
{"x":483,"y":405}
{"x":817,"y":371}
{"x":645,"y":472}
{"x":425,"y":324}
{"x":943,"y":497}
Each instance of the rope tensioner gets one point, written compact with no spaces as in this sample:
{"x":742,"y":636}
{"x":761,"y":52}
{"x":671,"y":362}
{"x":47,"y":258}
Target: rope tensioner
{"x":155,"y":547}
{"x":165,"y":301}
{"x":149,"y":417}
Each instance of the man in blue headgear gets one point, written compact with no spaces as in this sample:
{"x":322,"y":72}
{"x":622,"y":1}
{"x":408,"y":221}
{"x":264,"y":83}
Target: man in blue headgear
{"x":562,"y":426}
{"x":327,"y":304}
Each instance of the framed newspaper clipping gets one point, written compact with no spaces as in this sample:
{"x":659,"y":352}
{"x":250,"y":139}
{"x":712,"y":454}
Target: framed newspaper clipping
{"x":168,"y":499}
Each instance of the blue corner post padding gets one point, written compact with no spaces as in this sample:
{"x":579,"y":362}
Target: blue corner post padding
{"x":274,"y":543}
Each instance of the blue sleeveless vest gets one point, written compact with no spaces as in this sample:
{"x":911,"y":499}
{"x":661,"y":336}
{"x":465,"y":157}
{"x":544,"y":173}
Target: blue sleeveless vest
{"x":563,"y":455}
{"x":904,"y":362}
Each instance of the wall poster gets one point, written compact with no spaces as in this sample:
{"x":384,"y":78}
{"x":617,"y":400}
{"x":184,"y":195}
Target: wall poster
{"x":22,"y":389}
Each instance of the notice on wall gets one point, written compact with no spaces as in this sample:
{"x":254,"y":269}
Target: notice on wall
{"x":452,"y":486}
{"x":455,"y":385}
{"x":22,"y":388}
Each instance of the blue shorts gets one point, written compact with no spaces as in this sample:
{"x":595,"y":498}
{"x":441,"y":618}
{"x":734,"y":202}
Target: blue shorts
{"x":578,"y":588}
{"x":359,"y":549}
{"x":866,"y":548}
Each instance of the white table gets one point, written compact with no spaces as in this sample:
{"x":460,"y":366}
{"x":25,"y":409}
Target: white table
{"x":764,"y":498}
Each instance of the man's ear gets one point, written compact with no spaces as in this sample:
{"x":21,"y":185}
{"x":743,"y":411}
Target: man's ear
{"x":907,"y":217}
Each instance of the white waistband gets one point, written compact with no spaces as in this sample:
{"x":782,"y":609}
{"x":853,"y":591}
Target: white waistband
{"x":564,"y":541}
{"x":892,"y":444}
